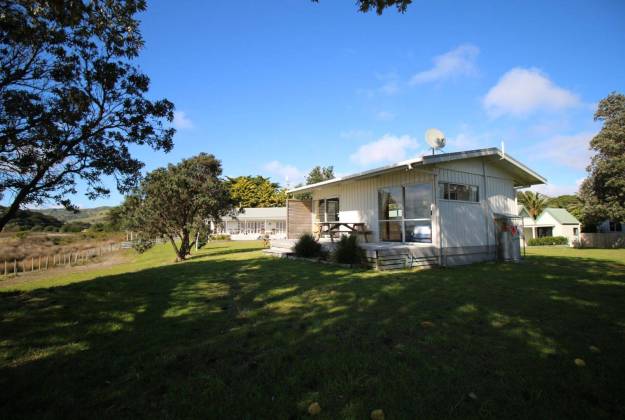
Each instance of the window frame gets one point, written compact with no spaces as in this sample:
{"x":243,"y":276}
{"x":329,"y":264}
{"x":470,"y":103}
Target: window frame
{"x":442,"y":197}
{"x":324,"y":219}
{"x":402,"y":220}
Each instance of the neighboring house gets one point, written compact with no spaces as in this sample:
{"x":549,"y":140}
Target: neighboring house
{"x":608,"y":226}
{"x":254,"y":223}
{"x":551,"y":222}
{"x":439,"y":208}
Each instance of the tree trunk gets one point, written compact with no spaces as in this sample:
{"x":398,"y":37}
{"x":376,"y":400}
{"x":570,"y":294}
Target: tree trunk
{"x":185,"y":246}
{"x":19,"y":199}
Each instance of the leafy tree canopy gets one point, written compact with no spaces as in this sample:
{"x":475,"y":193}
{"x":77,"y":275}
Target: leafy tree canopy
{"x":603,"y":192}
{"x":571,"y":203}
{"x":256,"y":191}
{"x":177,"y":201}
{"x":534,"y":202}
{"x":320,"y":174}
{"x":379,"y":5}
{"x":71,"y":101}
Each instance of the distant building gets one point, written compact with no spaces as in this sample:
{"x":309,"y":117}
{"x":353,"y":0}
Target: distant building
{"x":610,"y":226}
{"x":551,"y":222}
{"x":254,"y":223}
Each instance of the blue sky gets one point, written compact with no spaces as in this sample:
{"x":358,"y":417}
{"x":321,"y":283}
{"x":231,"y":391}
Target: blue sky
{"x":277,"y":87}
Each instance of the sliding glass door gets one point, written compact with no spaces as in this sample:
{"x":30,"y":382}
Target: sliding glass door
{"x":404,"y":213}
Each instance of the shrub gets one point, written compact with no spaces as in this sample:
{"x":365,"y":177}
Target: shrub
{"x":348,"y":251}
{"x":75,"y":227}
{"x":548,"y":240}
{"x":142,"y":245}
{"x":307,"y":247}
{"x":220,"y":237}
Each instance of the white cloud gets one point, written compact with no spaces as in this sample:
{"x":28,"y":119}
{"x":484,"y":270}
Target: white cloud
{"x":288,"y":173}
{"x":457,"y":62}
{"x":572,"y":151}
{"x":388,"y":148}
{"x":385,"y":116}
{"x":521,"y":92}
{"x":182,"y":121}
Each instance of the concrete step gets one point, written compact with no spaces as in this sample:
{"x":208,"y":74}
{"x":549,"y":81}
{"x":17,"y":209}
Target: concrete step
{"x":278,"y":252}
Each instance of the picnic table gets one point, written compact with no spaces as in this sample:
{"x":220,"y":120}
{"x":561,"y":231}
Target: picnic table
{"x":333,"y":228}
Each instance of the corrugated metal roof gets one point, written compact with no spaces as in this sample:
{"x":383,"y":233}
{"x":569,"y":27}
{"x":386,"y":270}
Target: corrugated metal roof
{"x":260,"y":213}
{"x":528,"y":176}
{"x":562,"y":216}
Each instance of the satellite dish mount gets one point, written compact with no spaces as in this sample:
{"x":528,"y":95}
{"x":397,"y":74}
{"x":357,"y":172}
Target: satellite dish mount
{"x":435,"y":139}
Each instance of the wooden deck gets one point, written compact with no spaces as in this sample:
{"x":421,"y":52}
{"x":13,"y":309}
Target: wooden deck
{"x":380,"y":255}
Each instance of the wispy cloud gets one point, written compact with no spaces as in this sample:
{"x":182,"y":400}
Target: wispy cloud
{"x":356,"y":134}
{"x":554,"y":190}
{"x":384,"y":116}
{"x":182,"y":121}
{"x":521,"y":92}
{"x":388,"y":148}
{"x":457,"y":62}
{"x":289,"y":174}
{"x":391,"y":85}
{"x":572,"y":151}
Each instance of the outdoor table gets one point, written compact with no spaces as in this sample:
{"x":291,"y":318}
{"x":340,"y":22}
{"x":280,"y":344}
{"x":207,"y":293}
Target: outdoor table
{"x":332,"y":228}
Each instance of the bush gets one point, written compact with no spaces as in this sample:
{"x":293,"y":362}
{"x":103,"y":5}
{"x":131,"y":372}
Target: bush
{"x":21,"y":234}
{"x":220,"y":237}
{"x":348,"y":251}
{"x":142,"y":245}
{"x":75,"y":227}
{"x":307,"y":247}
{"x":548,"y":240}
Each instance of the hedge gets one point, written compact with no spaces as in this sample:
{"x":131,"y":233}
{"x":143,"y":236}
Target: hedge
{"x":548,"y":240}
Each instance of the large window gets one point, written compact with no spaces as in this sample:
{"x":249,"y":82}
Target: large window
{"x":328,"y":210}
{"x":459,"y":192}
{"x":404,"y":213}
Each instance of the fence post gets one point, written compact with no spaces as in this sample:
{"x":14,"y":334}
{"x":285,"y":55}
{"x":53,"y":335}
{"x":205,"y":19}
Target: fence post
{"x":5,"y":268}
{"x":47,"y":258}
{"x":15,"y":266}
{"x":32,"y":264}
{"x":39,"y":269}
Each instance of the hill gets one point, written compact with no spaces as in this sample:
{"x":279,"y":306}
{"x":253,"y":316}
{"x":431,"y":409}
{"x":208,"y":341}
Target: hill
{"x":28,"y":219}
{"x":91,"y":216}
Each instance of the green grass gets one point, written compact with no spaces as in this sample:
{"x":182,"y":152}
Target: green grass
{"x":233,"y":334}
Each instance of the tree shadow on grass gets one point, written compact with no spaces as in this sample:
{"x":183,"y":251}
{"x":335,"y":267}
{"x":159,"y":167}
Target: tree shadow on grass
{"x":262,"y":338}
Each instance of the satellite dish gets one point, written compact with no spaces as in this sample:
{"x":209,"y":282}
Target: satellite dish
{"x":435,"y":139}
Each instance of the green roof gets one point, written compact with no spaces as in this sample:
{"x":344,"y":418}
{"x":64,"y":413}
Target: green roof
{"x":562,"y":216}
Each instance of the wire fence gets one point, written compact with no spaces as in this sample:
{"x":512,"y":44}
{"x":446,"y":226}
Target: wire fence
{"x":62,"y":259}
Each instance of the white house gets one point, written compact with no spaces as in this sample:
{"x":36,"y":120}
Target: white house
{"x":608,"y":226}
{"x":442,"y":209}
{"x":254,"y":223}
{"x":551,"y":222}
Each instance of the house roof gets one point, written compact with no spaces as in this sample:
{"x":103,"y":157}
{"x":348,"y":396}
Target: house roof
{"x":561,"y":215}
{"x":522,"y":175}
{"x":250,"y":213}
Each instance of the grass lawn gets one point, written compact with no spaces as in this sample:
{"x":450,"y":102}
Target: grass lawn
{"x":233,"y":334}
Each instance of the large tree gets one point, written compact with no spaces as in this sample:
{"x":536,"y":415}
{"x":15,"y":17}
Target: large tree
{"x":603,"y":192}
{"x":571,"y":203}
{"x":533,"y":202}
{"x":380,"y":5}
{"x":256,"y":191}
{"x":177,"y":201}
{"x":71,"y":100}
{"x":320,"y":174}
